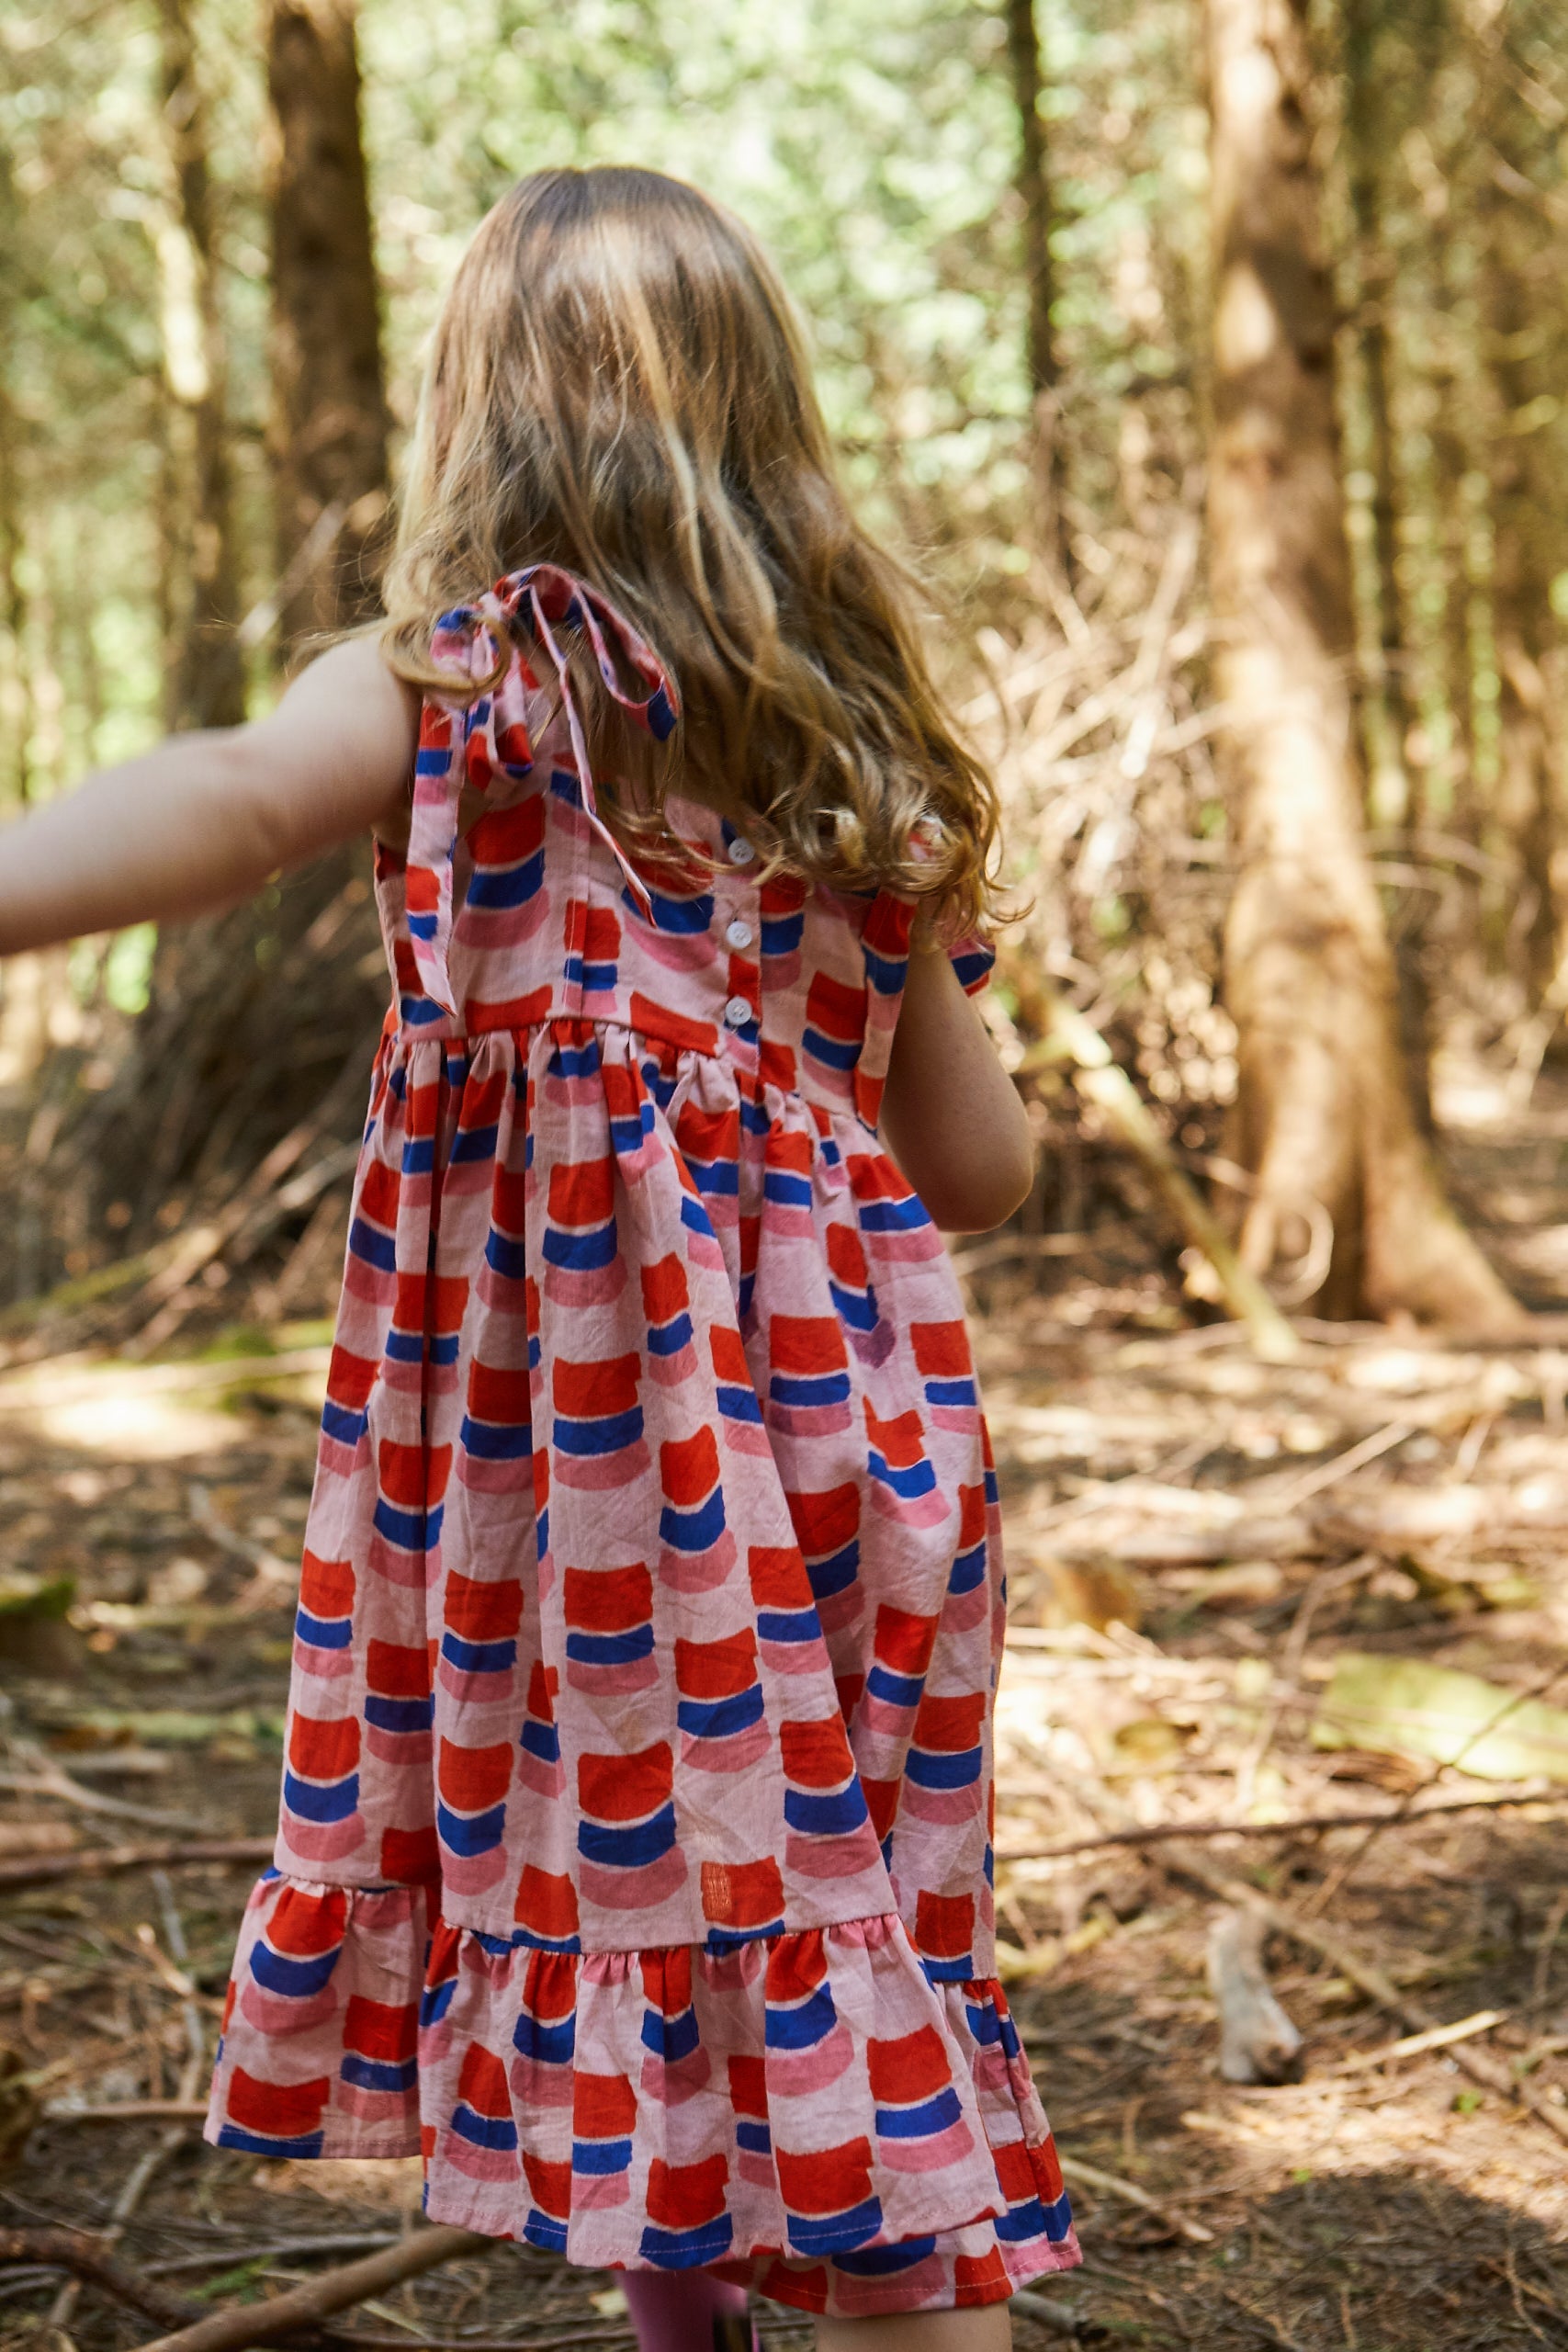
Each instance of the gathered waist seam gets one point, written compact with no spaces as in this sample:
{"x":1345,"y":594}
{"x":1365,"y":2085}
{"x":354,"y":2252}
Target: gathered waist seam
{"x":751,"y":1079}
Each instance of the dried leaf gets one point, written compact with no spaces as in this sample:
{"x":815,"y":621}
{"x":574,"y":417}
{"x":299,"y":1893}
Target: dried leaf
{"x":1148,"y":1745}
{"x":1401,"y":1706}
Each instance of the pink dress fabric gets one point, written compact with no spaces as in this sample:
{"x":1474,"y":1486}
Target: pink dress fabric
{"x":634,"y":1860}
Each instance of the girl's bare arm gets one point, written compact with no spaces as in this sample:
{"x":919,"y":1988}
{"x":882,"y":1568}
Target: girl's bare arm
{"x":202,"y":821}
{"x":951,"y":1116}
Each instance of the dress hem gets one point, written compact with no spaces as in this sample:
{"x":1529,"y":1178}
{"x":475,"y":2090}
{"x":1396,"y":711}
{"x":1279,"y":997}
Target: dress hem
{"x":814,"y":2111}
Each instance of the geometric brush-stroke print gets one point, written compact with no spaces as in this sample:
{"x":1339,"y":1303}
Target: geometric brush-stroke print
{"x":634,"y":1855}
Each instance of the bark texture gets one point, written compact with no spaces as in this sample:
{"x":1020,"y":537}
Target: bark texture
{"x":1366,"y":135}
{"x":17,"y":706}
{"x":329,"y":424}
{"x":1527,"y":516}
{"x":206,"y":670}
{"x":1389,"y":699}
{"x":1033,"y":180}
{"x":1324,"y":1119}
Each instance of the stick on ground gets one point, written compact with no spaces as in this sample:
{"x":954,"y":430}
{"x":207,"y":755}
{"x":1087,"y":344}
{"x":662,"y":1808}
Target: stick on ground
{"x":334,"y":2290}
{"x":98,"y":1861}
{"x":1110,"y":2183}
{"x":85,"y":2259}
{"x":1161,"y":1832}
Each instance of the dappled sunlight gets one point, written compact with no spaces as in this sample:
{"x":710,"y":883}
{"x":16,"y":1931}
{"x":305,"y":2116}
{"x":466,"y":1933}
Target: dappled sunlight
{"x":1208,"y":364}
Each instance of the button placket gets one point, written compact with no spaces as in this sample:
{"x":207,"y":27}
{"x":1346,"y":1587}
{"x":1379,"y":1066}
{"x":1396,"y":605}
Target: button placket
{"x":743,"y":1005}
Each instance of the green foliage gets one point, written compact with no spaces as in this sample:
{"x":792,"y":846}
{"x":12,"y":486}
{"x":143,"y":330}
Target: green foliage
{"x":872,"y":146}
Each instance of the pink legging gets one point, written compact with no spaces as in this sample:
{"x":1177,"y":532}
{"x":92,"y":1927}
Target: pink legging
{"x":675,"y":2311}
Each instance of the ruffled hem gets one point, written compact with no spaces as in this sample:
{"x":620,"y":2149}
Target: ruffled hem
{"x":807,"y":2112}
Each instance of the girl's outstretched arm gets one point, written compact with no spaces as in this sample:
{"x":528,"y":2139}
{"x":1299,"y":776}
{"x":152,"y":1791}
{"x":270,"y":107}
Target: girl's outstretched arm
{"x":201,"y":822}
{"x":950,"y":1116}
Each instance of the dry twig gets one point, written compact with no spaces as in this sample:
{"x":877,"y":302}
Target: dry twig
{"x":99,"y":1861}
{"x":61,"y":2249}
{"x":1297,"y":1825}
{"x":334,"y":2290}
{"x":1110,"y":2183}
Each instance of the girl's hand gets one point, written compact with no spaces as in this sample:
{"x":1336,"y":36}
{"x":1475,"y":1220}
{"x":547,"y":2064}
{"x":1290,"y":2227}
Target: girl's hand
{"x":201,"y":822}
{"x":951,"y":1116}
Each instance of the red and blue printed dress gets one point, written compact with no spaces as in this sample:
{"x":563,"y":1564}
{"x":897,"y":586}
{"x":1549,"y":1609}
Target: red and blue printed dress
{"x":635,"y":1854}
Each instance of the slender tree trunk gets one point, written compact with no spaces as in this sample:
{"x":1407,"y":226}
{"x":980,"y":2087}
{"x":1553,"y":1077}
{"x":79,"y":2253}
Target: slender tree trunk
{"x":1528,"y":542}
{"x":1367,"y":137}
{"x":1450,"y":464}
{"x":15,"y":690}
{"x":329,"y":426}
{"x":1389,"y":705}
{"x":1033,"y":179}
{"x":16,"y":686}
{"x":1324,"y":1114}
{"x":207,"y":682}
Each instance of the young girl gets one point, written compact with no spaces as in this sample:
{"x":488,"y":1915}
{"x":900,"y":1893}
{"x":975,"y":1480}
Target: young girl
{"x":634,"y":1861}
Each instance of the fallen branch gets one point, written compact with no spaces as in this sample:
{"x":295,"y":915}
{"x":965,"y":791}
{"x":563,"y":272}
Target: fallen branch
{"x":129,"y":2111}
{"x":1039,"y":1245}
{"x":1297,"y":1825}
{"x":34,"y":1836}
{"x":1411,"y":2045}
{"x":598,"y":2336}
{"x":171,"y":2138}
{"x":102,"y":1861}
{"x":50,"y":1779}
{"x":230,"y":2258}
{"x":1328,"y":1474}
{"x":61,"y":2249}
{"x":614,"y":2332}
{"x":334,"y":2290}
{"x":1110,"y":2183}
{"x":1102,"y":1082}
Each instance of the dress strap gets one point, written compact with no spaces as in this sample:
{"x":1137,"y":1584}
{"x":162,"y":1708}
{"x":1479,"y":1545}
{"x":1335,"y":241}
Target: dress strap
{"x":472,"y":741}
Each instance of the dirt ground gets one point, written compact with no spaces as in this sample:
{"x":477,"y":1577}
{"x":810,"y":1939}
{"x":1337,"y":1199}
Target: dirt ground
{"x":1194,"y":1539}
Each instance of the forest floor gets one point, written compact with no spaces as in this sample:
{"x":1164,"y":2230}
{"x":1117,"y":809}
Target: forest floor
{"x":1216,"y":1567}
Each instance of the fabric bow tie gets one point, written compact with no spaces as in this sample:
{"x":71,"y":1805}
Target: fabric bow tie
{"x":474,"y":743}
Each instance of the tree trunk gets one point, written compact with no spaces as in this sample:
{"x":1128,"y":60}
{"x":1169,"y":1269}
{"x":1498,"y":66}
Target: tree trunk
{"x":1389,"y":704}
{"x":1376,"y":275}
{"x":15,"y":688}
{"x":1033,"y":180}
{"x":1324,"y":1116}
{"x":207,"y":680}
{"x":1453,"y":787}
{"x":329,"y":423}
{"x":15,"y":693}
{"x":1526,"y":515}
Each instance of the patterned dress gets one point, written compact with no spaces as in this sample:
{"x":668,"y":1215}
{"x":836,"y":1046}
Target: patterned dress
{"x":635,"y":1861}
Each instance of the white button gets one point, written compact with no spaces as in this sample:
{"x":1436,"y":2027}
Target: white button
{"x":737,"y":1012}
{"x":738,"y":933}
{"x":740,"y":851}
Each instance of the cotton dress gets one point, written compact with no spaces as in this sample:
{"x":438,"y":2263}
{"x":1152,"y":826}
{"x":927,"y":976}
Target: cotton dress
{"x":634,"y":1861}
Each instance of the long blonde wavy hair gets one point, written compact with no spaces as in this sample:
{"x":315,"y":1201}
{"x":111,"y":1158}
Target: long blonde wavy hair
{"x":618,"y":383}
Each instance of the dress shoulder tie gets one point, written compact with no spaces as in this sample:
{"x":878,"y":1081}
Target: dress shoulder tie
{"x":472,"y":743}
